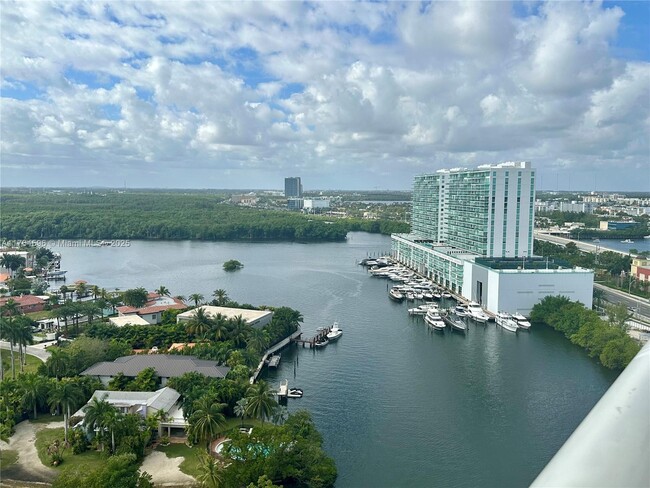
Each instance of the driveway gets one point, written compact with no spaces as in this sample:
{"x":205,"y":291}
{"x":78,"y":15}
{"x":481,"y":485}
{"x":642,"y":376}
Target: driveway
{"x":165,"y":471}
{"x":29,"y":466}
{"x":37,"y":350}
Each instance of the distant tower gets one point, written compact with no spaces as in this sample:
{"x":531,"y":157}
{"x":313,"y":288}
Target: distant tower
{"x":293,"y":187}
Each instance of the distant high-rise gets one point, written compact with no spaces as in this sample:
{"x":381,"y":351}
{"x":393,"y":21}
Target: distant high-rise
{"x":293,"y":187}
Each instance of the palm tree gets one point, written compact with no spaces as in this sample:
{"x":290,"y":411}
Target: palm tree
{"x":64,"y":290}
{"x":258,"y":340}
{"x":96,"y":291}
{"x":240,"y":409}
{"x":10,"y":328}
{"x":207,"y":420}
{"x":101,"y":416}
{"x":24,"y":337}
{"x":65,"y":394}
{"x":199,"y":324}
{"x":82,"y":289}
{"x":220,"y":297}
{"x":240,"y":330}
{"x":163,"y":291}
{"x":12,"y":262}
{"x":196,"y":298}
{"x":33,"y":389}
{"x":180,"y":297}
{"x":209,"y":476}
{"x":260,"y":401}
{"x":219,"y":327}
{"x":57,"y":363}
{"x":280,"y":414}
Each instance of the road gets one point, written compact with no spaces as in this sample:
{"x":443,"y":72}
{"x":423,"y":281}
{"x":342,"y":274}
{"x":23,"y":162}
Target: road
{"x":582,"y":245}
{"x":38,"y":350}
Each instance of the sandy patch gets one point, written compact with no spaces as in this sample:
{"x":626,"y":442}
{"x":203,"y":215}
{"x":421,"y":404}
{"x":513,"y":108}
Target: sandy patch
{"x":165,"y":471}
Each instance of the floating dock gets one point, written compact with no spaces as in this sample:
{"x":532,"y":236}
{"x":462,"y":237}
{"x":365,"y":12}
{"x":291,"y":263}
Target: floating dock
{"x":310,"y":343}
{"x":274,"y":361}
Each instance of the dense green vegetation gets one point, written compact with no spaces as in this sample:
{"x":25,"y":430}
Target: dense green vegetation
{"x":592,"y":222}
{"x":605,"y":340}
{"x":232,"y":265}
{"x":156,"y":215}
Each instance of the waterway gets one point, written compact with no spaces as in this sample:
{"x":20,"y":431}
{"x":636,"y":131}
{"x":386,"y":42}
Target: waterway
{"x":617,"y":245}
{"x":397,"y":404}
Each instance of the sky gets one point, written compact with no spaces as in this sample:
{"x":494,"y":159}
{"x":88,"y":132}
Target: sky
{"x":346,"y":95}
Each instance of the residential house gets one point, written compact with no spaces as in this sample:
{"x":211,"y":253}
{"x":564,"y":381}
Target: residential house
{"x":254,"y":318}
{"x":26,"y":303}
{"x":152,"y":310}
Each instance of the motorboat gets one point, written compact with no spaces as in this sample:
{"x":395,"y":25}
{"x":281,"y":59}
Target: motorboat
{"x":522,"y":322}
{"x":506,"y":321}
{"x":335,"y":332}
{"x":321,"y":343}
{"x":410,"y":296}
{"x":628,"y":241}
{"x":435,"y":321}
{"x":476,"y":313}
{"x":446,"y":294}
{"x":395,"y":294}
{"x":294,"y":393}
{"x":455,"y":322}
{"x":461,"y":311}
{"x":423,"y":309}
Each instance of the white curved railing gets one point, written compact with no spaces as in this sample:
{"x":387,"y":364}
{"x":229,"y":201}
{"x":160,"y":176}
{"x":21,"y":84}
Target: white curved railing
{"x":611,"y":447}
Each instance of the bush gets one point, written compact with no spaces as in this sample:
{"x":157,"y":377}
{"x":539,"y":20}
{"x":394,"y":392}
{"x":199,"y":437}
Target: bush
{"x":78,"y":441}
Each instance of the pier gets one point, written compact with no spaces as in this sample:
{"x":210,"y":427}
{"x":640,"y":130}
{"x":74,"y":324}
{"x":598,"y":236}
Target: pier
{"x":319,"y":336}
{"x":269,"y":352}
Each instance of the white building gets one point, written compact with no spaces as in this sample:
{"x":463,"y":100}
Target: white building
{"x":472,"y":232}
{"x":254,"y":318}
{"x":315,"y":205}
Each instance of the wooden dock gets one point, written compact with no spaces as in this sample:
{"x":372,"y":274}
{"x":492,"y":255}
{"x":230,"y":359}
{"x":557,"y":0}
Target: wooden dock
{"x":280,"y":345}
{"x":274,"y":361}
{"x":319,"y":336}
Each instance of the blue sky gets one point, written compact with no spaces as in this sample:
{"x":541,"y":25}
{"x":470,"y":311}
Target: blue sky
{"x":347,"y":95}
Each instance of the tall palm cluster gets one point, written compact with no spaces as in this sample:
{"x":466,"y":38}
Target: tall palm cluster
{"x":221,"y":328}
{"x":15,"y":328}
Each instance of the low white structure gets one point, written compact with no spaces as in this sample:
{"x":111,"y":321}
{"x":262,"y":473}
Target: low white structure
{"x":314,"y":205}
{"x":146,"y":404}
{"x":254,"y":318}
{"x":123,"y":320}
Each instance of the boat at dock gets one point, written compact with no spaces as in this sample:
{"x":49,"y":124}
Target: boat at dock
{"x":283,"y":389}
{"x":274,"y":361}
{"x":321,"y":343}
{"x":423,"y":309}
{"x":522,"y":322}
{"x":295,"y":393}
{"x":396,"y":295}
{"x":461,"y":311}
{"x":476,"y":313}
{"x":55,"y":274}
{"x":628,"y":241}
{"x":335,"y":332}
{"x":506,"y":321}
{"x":434,"y":320}
{"x":454,"y":321}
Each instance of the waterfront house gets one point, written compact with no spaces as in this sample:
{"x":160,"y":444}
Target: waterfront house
{"x":254,"y":318}
{"x":152,"y":310}
{"x":166,"y":366}
{"x":26,"y":303}
{"x":133,"y":319}
{"x":164,"y":402}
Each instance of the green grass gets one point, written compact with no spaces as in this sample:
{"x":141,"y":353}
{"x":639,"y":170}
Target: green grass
{"x":7,"y":458}
{"x":45,"y":418}
{"x":233,"y":423}
{"x":44,"y":314}
{"x":88,"y":460}
{"x":190,"y":464}
{"x":31,"y":366}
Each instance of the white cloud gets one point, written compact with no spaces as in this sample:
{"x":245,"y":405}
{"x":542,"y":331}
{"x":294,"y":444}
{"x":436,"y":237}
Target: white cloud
{"x":328,"y":89}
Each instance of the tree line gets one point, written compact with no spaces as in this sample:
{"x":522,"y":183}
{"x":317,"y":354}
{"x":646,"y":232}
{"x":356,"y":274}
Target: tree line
{"x":606,"y":341}
{"x":173,"y":216}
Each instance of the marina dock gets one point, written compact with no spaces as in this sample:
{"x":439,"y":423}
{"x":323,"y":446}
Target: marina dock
{"x":318,"y":337}
{"x":269,"y":352}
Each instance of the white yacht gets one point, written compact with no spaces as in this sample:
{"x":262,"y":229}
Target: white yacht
{"x":522,"y":322}
{"x":476,"y":313}
{"x":335,"y":332}
{"x":434,"y":320}
{"x":461,"y":311}
{"x":506,"y":321}
{"x":395,"y":294}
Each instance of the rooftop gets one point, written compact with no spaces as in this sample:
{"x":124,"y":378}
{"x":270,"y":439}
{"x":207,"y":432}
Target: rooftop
{"x":523,"y":263}
{"x":230,"y":313}
{"x":166,"y":366}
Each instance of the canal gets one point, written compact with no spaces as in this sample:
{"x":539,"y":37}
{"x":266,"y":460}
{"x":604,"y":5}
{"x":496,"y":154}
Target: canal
{"x":397,"y":404}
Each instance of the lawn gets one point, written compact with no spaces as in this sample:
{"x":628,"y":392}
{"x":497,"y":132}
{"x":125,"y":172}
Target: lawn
{"x":88,"y":460}
{"x":7,"y":458}
{"x":190,"y":464}
{"x":32,"y":362}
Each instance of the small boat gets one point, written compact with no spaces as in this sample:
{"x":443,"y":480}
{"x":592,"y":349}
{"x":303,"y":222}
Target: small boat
{"x":395,"y":294}
{"x":455,"y":322}
{"x":274,"y":361}
{"x":628,"y":241}
{"x":595,"y":240}
{"x":55,"y":274}
{"x":461,"y":311}
{"x":410,"y":296}
{"x":321,"y":343}
{"x":506,"y":321}
{"x":522,"y":322}
{"x":295,"y":393}
{"x":446,"y":294}
{"x":646,"y":237}
{"x":283,"y":389}
{"x":335,"y":332}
